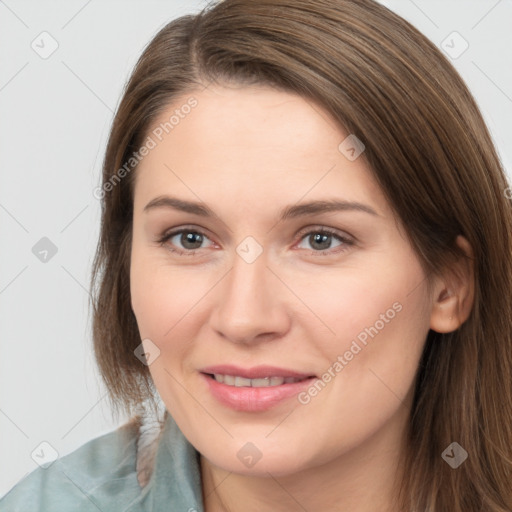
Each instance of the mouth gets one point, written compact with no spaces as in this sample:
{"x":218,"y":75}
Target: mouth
{"x":262,"y":382}
{"x":255,"y":389}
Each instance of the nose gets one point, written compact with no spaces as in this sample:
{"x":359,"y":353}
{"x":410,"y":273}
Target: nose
{"x":251,"y":303}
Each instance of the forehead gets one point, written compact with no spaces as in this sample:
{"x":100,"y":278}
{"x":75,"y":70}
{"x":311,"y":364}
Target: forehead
{"x":262,"y":120}
{"x":253,"y":142}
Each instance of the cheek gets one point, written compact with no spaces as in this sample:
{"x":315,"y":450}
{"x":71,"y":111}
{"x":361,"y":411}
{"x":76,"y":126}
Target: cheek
{"x":163,"y":302}
{"x":168,"y":302}
{"x":376,"y":321}
{"x":158,"y":294}
{"x":357,"y":304}
{"x":371,"y":361}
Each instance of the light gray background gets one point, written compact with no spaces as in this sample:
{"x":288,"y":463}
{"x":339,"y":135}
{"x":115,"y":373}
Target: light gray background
{"x":55,"y":114}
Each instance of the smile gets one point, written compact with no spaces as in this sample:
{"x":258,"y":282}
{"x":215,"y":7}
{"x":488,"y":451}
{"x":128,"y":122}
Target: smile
{"x":264,"y":382}
{"x":255,"y":389}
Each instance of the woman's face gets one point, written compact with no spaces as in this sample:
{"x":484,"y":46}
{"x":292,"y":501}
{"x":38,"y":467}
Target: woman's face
{"x":290,"y":265}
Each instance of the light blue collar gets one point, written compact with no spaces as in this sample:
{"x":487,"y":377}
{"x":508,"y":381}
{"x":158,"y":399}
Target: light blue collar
{"x":175,"y":483}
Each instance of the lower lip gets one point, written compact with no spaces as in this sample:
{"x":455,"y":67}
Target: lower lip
{"x":254,"y":399}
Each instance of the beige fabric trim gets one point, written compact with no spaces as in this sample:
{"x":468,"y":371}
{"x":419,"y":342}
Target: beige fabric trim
{"x":150,"y":426}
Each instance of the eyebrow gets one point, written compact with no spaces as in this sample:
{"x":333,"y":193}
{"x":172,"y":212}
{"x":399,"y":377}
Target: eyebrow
{"x":289,"y":212}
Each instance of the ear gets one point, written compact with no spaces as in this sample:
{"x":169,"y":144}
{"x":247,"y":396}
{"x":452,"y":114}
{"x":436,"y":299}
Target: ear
{"x":453,"y":293}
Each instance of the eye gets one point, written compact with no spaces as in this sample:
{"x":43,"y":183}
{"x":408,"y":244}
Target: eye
{"x":320,"y":241}
{"x":185,"y":241}
{"x":190,"y":239}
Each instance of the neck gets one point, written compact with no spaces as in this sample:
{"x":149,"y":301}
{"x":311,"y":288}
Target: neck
{"x":357,"y":481}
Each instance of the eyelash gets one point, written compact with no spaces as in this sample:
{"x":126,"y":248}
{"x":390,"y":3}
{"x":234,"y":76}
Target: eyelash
{"x":346,"y":242}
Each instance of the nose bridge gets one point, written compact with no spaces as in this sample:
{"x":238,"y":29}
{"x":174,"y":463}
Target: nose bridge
{"x":248,"y":303}
{"x":247,"y":287}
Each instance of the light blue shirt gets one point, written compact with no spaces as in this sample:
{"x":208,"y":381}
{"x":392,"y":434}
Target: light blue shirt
{"x":101,"y":476}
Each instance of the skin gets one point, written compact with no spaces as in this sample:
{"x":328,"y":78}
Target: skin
{"x":248,"y":152}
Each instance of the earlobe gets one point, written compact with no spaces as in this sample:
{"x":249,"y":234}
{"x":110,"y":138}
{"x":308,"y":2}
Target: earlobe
{"x":454,"y":293}
{"x":445,"y":316}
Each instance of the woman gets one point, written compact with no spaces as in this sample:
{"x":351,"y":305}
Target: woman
{"x":304,"y":262}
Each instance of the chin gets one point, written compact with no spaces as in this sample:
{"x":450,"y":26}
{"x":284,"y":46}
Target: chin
{"x":253,"y":461}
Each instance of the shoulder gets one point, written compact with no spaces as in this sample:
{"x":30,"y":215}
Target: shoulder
{"x":101,"y":474}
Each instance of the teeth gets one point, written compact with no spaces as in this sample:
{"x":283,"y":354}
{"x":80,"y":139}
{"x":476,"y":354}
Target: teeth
{"x":264,"y":382}
{"x":229,"y":380}
{"x":260,"y":383}
{"x":241,"y":381}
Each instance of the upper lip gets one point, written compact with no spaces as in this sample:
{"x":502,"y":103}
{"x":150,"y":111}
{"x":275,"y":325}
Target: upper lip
{"x":256,"y":372}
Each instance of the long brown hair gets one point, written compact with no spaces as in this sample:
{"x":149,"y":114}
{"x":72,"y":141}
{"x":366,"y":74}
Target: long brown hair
{"x":431,"y":153}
